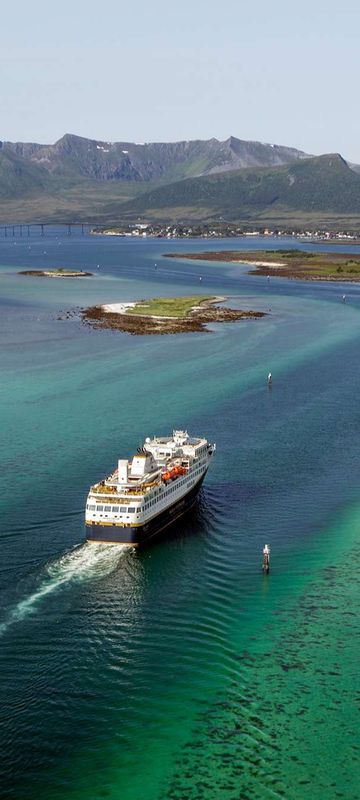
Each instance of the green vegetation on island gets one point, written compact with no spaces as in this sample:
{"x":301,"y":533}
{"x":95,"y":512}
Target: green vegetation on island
{"x":169,"y":306}
{"x":163,"y":315}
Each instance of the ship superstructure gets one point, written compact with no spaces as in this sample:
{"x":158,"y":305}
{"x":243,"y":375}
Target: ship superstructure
{"x":147,"y":493}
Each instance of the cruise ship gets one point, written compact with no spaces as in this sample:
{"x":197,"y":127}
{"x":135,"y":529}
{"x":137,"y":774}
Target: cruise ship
{"x":146,"y":494}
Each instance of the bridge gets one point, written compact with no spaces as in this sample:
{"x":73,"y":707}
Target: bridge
{"x":25,"y":229}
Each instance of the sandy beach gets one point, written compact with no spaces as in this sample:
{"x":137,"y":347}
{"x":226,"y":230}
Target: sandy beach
{"x":117,"y":308}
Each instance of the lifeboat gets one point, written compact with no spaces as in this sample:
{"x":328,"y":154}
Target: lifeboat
{"x":173,"y":473}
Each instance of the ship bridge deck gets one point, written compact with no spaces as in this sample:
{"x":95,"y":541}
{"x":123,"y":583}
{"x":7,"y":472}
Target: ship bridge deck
{"x":161,"y":459}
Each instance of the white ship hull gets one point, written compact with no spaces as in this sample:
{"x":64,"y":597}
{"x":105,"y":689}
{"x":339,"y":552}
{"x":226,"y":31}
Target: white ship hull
{"x":147,"y":495}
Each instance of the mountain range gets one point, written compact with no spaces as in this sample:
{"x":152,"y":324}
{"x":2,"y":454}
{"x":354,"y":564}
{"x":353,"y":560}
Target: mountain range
{"x":85,"y":180}
{"x":76,"y":157}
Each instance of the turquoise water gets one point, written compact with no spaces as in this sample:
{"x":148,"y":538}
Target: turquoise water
{"x":179,"y":671}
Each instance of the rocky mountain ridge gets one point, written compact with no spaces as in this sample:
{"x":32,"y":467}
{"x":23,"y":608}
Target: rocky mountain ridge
{"x":86,"y":180}
{"x":75,"y":156}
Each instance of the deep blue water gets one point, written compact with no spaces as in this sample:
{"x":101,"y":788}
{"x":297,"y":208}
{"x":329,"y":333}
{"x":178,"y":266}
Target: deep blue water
{"x":145,"y":675}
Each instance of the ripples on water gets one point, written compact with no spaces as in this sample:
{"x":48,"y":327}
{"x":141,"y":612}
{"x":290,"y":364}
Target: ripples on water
{"x":264,"y":736}
{"x":86,"y":563}
{"x":179,"y":671}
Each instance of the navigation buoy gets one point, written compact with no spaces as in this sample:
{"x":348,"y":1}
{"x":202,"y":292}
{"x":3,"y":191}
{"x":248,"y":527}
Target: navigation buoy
{"x":266,"y":559}
{"x":269,"y":379}
{"x":268,"y":278}
{"x":344,"y":298}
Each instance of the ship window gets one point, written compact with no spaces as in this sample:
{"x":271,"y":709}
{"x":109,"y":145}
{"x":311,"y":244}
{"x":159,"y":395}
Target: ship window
{"x":131,"y":509}
{"x":115,"y":508}
{"x":107,"y":508}
{"x":100,"y":508}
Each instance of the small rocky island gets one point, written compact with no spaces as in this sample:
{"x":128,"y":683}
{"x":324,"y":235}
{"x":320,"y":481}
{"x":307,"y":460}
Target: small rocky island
{"x":165,"y":315}
{"x":57,"y":273}
{"x":294,"y":263}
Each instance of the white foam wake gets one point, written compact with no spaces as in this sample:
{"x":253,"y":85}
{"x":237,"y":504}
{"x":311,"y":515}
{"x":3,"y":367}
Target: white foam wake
{"x":87,"y":562}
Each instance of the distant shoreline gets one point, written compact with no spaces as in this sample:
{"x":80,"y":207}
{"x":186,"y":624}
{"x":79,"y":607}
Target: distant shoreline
{"x":292,"y":264}
{"x":198,"y":230}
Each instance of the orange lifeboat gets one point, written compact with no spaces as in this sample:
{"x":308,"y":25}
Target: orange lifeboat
{"x":173,"y":473}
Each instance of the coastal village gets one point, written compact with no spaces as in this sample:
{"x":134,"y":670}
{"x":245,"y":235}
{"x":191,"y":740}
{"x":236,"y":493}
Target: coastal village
{"x":225,"y":230}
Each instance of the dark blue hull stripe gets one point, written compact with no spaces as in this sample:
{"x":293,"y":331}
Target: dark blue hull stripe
{"x":140,"y":534}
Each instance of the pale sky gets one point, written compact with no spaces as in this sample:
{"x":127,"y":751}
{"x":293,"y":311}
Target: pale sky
{"x":279,"y":72}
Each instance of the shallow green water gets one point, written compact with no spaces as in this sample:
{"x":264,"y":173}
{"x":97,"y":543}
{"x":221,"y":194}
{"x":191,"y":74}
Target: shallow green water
{"x":179,"y":671}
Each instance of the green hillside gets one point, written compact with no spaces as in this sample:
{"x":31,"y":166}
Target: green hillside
{"x":321,"y":190}
{"x":21,"y":178}
{"x":324,"y":184}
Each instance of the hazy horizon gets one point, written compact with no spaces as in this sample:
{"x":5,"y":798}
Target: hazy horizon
{"x":166,"y":73}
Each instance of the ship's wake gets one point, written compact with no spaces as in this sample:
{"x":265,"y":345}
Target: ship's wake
{"x":85,"y":563}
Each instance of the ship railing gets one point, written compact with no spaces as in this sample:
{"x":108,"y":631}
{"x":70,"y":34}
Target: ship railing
{"x":103,"y":488}
{"x":130,"y":493}
{"x":113,"y":500}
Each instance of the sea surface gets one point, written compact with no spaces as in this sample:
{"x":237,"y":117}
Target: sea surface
{"x":180,"y":671}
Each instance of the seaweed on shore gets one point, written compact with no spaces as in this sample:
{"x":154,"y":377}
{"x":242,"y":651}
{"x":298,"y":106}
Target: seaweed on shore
{"x":142,"y":325}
